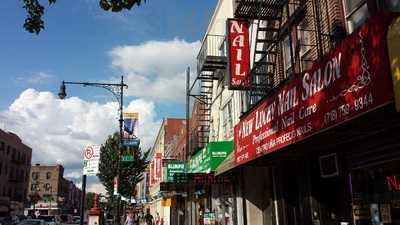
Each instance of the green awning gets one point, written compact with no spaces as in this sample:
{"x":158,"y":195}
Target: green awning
{"x":209,"y":158}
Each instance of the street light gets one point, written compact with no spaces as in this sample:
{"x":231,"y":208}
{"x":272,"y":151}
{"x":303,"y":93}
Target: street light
{"x":117,"y":89}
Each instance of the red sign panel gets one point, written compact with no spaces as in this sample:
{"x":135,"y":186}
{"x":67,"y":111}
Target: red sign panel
{"x":239,"y":53}
{"x":155,"y":171}
{"x":349,"y":81}
{"x":151,"y":174}
{"x":158,"y":167}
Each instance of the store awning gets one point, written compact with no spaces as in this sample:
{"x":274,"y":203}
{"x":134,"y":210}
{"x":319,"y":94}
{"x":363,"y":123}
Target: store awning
{"x":226,"y":165}
{"x":210,"y":157}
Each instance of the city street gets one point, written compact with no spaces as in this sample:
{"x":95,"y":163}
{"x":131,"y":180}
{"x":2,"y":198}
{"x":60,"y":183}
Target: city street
{"x":211,"y":112}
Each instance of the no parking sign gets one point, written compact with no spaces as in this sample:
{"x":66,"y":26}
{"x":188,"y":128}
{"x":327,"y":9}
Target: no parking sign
{"x":91,"y":159}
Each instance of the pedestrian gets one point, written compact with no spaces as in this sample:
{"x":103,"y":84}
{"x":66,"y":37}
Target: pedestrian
{"x":148,"y":218}
{"x":129,"y":219}
{"x":157,"y":219}
{"x":137,"y":219}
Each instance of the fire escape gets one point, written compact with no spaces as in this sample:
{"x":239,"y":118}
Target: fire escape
{"x":272,"y":21}
{"x":210,"y":60}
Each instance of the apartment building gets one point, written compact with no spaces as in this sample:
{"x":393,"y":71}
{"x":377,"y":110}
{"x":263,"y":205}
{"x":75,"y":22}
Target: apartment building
{"x":15,"y":164}
{"x":53,"y":193}
{"x":168,"y":135}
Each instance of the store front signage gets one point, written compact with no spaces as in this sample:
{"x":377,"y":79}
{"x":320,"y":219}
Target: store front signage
{"x":239,"y":53}
{"x":175,"y":167}
{"x":155,"y":169}
{"x":210,"y":157}
{"x":393,"y":183}
{"x":200,"y":178}
{"x":349,"y":81}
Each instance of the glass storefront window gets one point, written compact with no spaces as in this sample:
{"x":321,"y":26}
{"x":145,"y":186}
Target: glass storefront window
{"x":376,"y":194}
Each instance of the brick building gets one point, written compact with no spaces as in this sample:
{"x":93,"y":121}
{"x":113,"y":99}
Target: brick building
{"x":56,"y":193}
{"x":14,"y":172}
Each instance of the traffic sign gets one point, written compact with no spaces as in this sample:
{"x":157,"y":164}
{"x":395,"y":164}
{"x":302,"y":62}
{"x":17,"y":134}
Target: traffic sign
{"x":91,"y":160}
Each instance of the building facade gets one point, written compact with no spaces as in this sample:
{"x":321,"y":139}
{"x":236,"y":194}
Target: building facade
{"x":168,"y":135}
{"x":299,"y":88}
{"x":53,"y":193}
{"x":15,"y":165}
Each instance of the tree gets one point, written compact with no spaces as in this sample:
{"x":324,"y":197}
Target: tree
{"x":35,"y":10}
{"x":90,"y":200}
{"x":130,"y":172}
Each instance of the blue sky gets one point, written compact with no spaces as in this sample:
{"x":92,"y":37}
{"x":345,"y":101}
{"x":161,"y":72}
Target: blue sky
{"x":151,"y":45}
{"x":78,"y":36}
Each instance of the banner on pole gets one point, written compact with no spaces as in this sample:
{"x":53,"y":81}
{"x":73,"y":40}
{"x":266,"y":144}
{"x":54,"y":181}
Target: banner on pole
{"x":131,"y":120}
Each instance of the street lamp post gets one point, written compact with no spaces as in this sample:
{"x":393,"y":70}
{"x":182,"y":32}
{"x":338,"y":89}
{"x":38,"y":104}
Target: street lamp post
{"x":117,"y":89}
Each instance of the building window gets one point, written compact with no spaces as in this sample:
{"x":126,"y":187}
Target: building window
{"x":1,"y":167}
{"x":48,"y":175}
{"x":47,"y":187}
{"x":2,"y":146}
{"x":13,"y":154}
{"x":35,"y":175}
{"x":11,"y":173}
{"x":5,"y":169}
{"x":287,"y":59}
{"x":356,"y":12}
{"x":227,"y":127}
{"x":8,"y":149}
{"x":33,"y":187}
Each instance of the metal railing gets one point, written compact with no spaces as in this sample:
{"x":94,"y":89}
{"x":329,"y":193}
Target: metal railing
{"x":213,"y":45}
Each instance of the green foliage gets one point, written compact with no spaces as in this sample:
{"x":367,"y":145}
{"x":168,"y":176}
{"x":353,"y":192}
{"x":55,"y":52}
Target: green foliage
{"x":130,"y":172}
{"x":89,"y":200}
{"x":35,"y":10}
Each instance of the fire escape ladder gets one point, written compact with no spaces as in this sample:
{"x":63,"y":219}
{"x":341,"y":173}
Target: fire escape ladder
{"x":210,"y":61}
{"x":206,"y":90}
{"x":266,"y":44}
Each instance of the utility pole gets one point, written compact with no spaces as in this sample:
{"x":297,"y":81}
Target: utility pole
{"x":117,"y":89}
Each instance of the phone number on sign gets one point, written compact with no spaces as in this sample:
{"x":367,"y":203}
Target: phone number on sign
{"x":344,"y":110}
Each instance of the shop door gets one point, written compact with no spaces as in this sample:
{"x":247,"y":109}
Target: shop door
{"x":376,"y":194}
{"x":288,"y":176}
{"x":330,"y":198}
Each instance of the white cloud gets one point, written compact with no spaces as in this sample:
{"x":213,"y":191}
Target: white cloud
{"x":156,"y":69}
{"x":37,"y":78}
{"x":57,"y":130}
{"x":96,"y":188}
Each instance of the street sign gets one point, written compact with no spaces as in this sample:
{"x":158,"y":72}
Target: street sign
{"x":91,"y":159}
{"x":132,"y":142}
{"x":127,"y":158}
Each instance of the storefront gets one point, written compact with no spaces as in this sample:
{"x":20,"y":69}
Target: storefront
{"x":323,"y":149}
{"x":210,"y":198}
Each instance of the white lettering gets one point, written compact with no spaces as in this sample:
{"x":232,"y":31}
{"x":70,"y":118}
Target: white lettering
{"x":236,"y":28}
{"x":238,"y":41}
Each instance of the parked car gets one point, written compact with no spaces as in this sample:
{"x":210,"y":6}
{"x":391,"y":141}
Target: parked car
{"x":66,"y":219}
{"x":32,"y":222}
{"x":49,"y":219}
{"x":5,"y":221}
{"x":17,"y":219}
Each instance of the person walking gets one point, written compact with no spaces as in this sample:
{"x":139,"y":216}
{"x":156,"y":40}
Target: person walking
{"x":157,"y":219}
{"x":129,"y":219}
{"x":148,"y":218}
